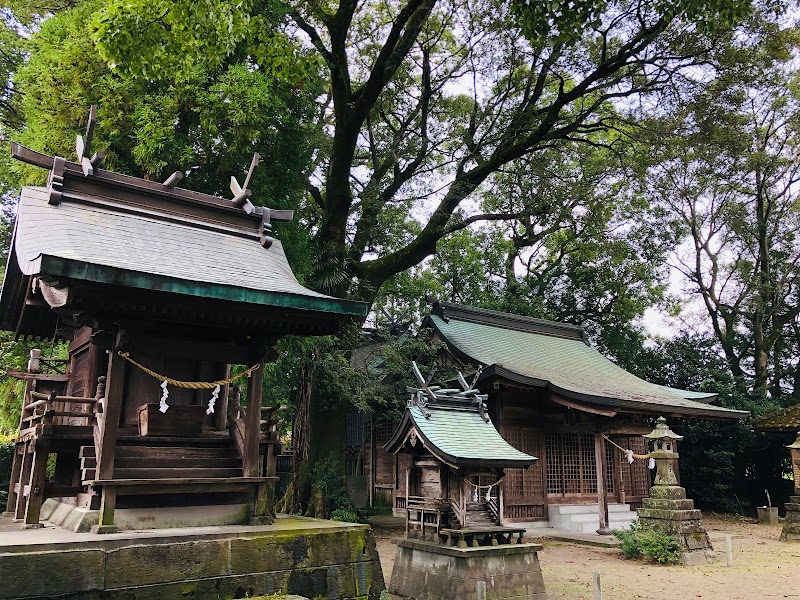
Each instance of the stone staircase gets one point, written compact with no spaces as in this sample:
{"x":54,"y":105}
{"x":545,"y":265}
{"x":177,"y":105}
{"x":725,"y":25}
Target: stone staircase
{"x":584,"y":518}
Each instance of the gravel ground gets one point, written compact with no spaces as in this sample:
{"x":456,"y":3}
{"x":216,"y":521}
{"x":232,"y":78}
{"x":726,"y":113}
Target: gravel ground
{"x":763,"y":568}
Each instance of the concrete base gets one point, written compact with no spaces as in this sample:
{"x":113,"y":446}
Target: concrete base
{"x":428,"y":571}
{"x":296,"y":555}
{"x":791,"y":527}
{"x":669,"y":511}
{"x":585,"y":518}
{"x":768,"y":515}
{"x":81,"y":520}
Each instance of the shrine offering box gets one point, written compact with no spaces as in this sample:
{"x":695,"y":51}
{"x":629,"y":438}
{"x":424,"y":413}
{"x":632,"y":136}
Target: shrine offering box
{"x":179,"y":420}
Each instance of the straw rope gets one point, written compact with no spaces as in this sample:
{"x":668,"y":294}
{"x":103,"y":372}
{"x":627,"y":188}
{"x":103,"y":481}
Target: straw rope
{"x":191,"y":385}
{"x":483,"y":487}
{"x":627,"y":450}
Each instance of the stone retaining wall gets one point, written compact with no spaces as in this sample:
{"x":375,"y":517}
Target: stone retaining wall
{"x":340,"y":563}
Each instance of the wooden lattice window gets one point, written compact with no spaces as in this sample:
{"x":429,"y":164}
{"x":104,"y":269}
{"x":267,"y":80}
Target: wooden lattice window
{"x":571,"y":467}
{"x":524,"y":483}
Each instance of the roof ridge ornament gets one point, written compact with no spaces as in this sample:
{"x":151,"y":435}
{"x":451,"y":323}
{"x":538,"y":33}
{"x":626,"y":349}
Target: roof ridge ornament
{"x":83,"y":146}
{"x":241,"y":199}
{"x":427,"y":395}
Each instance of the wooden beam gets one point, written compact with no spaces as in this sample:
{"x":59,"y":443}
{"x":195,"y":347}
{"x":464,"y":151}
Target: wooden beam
{"x":602,"y":483}
{"x":253,"y":423}
{"x":595,"y":410}
{"x":112,"y":408}
{"x":33,"y":504}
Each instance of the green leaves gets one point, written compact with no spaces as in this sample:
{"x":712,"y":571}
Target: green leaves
{"x":178,"y":36}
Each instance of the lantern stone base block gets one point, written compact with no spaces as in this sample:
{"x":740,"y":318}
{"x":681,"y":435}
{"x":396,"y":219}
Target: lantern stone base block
{"x":791,"y":527}
{"x":669,"y":511}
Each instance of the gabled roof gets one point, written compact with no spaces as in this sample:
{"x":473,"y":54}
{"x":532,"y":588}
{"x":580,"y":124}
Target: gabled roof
{"x":112,"y":229}
{"x":544,"y":354}
{"x":457,"y":431}
{"x":785,"y":419}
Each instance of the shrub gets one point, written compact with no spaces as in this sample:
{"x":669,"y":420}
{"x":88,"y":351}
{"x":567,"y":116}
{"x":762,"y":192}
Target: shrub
{"x":648,"y":544}
{"x":345,"y":515}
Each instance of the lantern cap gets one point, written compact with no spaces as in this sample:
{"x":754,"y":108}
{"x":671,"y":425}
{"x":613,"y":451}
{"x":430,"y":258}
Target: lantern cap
{"x":662,"y":431}
{"x":796,"y":444}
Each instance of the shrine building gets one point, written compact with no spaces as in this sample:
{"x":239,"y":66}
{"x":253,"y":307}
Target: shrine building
{"x":171,"y":301}
{"x":553,"y":396}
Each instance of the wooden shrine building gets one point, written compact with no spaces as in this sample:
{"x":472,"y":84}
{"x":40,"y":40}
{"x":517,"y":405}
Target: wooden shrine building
{"x":553,"y":396}
{"x":160,"y":292}
{"x":456,"y":463}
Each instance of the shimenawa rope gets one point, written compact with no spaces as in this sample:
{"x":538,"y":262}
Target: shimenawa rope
{"x":626,"y":450}
{"x":192,"y":385}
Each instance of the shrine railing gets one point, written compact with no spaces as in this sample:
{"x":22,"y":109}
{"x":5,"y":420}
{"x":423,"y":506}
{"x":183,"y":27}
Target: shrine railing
{"x":426,"y":515}
{"x":52,"y":409}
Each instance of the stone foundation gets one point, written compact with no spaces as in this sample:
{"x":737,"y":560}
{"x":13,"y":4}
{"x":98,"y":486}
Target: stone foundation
{"x":82,"y":520}
{"x":791,"y":527}
{"x":428,"y":571}
{"x":307,"y":557}
{"x":669,"y":511}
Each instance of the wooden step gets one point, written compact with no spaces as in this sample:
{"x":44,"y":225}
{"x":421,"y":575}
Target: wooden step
{"x":157,"y":452}
{"x":87,"y":452}
{"x":175,"y":473}
{"x":190,"y":462}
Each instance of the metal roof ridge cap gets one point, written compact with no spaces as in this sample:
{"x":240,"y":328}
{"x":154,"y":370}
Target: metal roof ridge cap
{"x":515,"y":322}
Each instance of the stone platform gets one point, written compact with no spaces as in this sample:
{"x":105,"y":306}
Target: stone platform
{"x":791,"y":527}
{"x":429,"y":571}
{"x":296,"y":555}
{"x":669,"y":511}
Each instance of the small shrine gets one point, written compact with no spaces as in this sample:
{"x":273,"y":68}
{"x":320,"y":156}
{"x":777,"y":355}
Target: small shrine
{"x":667,"y":509}
{"x":171,"y":302}
{"x":454,"y":503}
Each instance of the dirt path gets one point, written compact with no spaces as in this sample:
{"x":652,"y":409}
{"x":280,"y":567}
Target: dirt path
{"x":763,"y":568}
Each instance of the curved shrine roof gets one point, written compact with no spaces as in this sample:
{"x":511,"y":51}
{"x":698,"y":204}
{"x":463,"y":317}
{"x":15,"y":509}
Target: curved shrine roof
{"x":537,"y":353}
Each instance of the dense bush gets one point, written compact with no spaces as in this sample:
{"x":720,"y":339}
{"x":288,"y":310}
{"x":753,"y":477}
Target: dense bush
{"x":648,"y":544}
{"x":346,"y":515}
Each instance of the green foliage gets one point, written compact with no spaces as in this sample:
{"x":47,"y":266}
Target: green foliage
{"x":648,"y":544}
{"x":345,"y":515}
{"x":178,"y":32}
{"x":6,"y":457}
{"x":566,"y":22}
{"x":329,"y":489}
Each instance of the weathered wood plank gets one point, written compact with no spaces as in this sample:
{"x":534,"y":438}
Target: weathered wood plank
{"x":115,"y":387}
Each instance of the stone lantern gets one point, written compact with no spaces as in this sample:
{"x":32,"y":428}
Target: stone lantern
{"x":791,"y":527}
{"x":664,"y":452}
{"x":668,"y":510}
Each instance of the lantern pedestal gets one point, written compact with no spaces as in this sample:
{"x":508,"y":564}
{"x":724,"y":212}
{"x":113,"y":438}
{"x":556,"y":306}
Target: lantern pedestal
{"x":791,"y":527}
{"x":669,"y":511}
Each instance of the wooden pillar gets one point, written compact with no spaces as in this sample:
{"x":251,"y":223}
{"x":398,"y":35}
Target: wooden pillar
{"x":108,"y":504}
{"x":112,"y":408}
{"x":33,"y":505}
{"x":408,"y":508}
{"x":16,"y":468}
{"x":26,"y":459}
{"x":602,"y":483}
{"x":252,"y":428}
{"x":616,"y":470}
{"x":500,"y":508}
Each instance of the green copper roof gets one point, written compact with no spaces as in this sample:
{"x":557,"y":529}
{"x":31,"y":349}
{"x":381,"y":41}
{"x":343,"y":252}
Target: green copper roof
{"x":786,"y":419}
{"x":536,"y":353}
{"x":95,"y":242}
{"x":458,"y":437}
